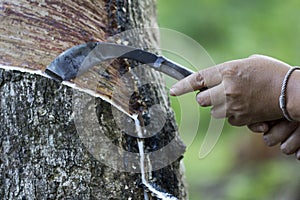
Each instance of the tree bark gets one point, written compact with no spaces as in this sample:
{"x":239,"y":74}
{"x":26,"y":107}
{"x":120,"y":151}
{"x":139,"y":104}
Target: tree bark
{"x":50,"y":143}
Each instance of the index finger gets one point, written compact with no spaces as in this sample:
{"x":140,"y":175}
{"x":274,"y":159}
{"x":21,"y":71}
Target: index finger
{"x":202,"y":79}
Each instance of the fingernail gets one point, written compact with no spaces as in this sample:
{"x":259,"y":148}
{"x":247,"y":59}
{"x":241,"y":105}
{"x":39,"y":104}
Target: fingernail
{"x":173,"y":92}
{"x":200,"y":100}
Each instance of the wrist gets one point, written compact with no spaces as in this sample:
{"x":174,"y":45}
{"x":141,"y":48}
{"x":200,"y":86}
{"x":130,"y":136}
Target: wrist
{"x":293,"y":96}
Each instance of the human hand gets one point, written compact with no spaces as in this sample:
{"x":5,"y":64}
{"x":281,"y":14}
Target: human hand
{"x":246,"y":90}
{"x":280,"y":131}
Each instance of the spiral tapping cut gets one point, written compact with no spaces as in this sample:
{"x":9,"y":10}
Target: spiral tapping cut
{"x":153,"y":189}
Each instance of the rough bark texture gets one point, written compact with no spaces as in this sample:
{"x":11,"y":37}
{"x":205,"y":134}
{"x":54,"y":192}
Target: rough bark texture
{"x":42,"y":155}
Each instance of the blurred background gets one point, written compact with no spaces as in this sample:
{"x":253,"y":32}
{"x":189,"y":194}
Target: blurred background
{"x":240,"y":167}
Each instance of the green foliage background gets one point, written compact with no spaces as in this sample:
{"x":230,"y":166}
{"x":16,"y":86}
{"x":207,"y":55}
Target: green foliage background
{"x":240,"y":166}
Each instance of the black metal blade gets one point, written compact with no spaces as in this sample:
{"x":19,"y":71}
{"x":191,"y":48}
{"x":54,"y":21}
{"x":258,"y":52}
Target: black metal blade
{"x":77,"y":60}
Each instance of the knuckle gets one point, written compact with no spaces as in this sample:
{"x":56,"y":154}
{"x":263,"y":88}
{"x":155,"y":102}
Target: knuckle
{"x":236,"y":121}
{"x":255,"y":56}
{"x":238,"y":110}
{"x":231,"y":90}
{"x":233,"y":96}
{"x":230,"y":70}
{"x":199,"y":78}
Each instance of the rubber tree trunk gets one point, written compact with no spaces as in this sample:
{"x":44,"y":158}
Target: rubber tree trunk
{"x":51,"y":147}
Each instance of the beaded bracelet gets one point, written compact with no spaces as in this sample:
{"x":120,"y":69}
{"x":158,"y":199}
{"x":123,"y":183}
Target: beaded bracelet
{"x":282,"y":98}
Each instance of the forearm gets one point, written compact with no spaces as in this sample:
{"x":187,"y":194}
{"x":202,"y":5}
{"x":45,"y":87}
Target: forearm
{"x":293,"y":96}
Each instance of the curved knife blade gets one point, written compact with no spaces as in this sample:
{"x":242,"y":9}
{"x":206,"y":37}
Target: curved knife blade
{"x":78,"y":59}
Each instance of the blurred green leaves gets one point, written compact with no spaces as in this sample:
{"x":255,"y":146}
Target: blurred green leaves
{"x":233,"y":29}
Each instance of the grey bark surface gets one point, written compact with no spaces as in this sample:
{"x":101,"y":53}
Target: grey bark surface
{"x":42,"y":155}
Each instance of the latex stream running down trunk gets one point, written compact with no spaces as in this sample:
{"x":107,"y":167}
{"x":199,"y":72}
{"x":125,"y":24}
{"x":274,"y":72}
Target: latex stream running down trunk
{"x":160,"y":194}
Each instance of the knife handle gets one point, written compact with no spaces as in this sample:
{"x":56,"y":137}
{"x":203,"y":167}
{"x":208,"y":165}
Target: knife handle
{"x":173,"y":69}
